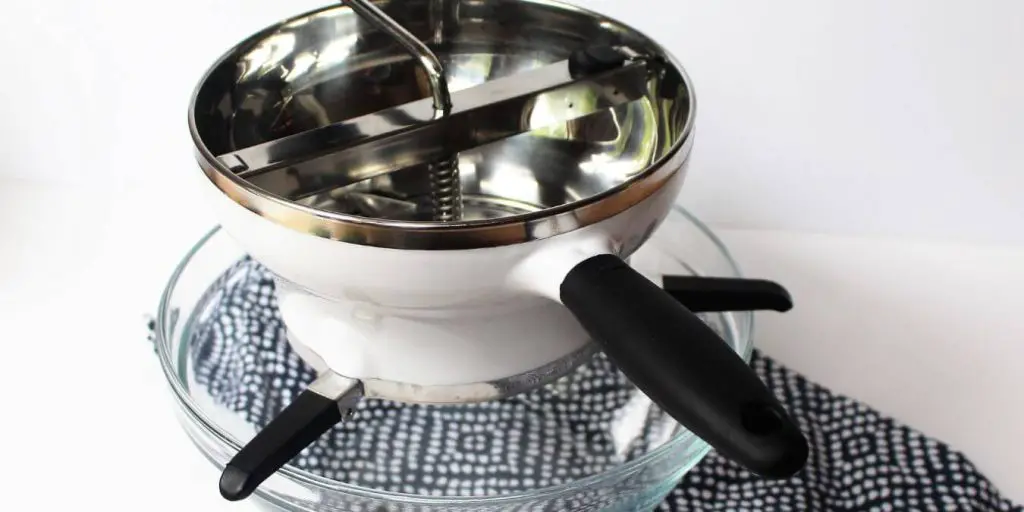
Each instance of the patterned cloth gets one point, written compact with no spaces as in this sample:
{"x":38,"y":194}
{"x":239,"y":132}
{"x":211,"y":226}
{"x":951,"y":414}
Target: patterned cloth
{"x":859,"y":459}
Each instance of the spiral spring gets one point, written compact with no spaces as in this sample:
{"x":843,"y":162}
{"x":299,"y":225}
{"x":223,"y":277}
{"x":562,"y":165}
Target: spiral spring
{"x":445,"y":190}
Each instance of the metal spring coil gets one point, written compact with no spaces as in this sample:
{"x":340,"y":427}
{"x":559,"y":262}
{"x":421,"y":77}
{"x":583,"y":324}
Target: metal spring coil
{"x":445,"y":190}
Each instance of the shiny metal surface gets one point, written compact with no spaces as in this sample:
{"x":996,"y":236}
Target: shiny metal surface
{"x":445,"y":191}
{"x":336,"y":387}
{"x":353,"y":150}
{"x":431,"y":64}
{"x":344,"y":391}
{"x":330,"y":66}
{"x":445,"y":194}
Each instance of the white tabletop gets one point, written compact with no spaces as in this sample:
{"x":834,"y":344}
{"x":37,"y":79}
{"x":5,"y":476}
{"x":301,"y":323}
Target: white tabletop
{"x":925,"y":332}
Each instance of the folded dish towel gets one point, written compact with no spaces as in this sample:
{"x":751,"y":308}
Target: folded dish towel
{"x":860,"y":460}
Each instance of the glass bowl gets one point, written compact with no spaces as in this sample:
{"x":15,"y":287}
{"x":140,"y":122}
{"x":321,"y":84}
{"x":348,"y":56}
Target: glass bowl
{"x":626,"y":456}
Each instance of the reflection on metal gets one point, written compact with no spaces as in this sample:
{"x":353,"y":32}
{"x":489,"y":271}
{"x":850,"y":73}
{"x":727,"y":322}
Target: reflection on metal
{"x":431,"y":64}
{"x":325,"y":104}
{"x":410,"y":134}
{"x":445,"y":192}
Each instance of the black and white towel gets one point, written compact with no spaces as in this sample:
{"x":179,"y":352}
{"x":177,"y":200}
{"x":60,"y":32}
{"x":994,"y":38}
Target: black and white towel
{"x":860,"y":460}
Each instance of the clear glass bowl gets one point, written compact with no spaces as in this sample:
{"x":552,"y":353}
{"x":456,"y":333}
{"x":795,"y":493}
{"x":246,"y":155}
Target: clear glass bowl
{"x":633,"y":479}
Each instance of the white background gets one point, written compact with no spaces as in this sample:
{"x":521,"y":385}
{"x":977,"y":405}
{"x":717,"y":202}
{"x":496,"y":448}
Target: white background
{"x":808,"y":108}
{"x":867,"y":154}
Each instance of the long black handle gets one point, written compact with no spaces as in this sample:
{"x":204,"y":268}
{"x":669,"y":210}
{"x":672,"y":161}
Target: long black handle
{"x":305,"y":419}
{"x":705,"y":294}
{"x":683,"y":366}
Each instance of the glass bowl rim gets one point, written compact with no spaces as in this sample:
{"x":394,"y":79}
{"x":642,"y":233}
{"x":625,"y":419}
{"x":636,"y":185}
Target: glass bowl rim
{"x":194,"y":412}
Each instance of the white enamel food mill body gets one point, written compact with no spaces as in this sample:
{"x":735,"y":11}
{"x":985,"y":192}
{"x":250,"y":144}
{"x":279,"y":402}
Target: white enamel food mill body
{"x":447,"y":194}
{"x":429,"y":318}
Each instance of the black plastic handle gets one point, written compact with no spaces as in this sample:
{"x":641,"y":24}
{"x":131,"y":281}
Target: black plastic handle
{"x":594,"y":59}
{"x":706,"y":294}
{"x":683,"y":366}
{"x":304,"y":420}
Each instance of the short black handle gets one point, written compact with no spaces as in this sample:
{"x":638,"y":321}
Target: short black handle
{"x":683,"y":366}
{"x":303,"y":421}
{"x":706,"y":294}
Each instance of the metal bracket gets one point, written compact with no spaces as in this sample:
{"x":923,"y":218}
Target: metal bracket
{"x":350,"y":151}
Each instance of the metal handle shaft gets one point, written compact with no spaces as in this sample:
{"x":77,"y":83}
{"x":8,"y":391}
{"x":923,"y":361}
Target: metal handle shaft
{"x":431,"y":64}
{"x":445,"y":192}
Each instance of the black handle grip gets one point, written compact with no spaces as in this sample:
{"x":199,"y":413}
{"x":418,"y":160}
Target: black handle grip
{"x":683,"y":366}
{"x":298,"y":425}
{"x":706,"y":294}
{"x":593,"y":59}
